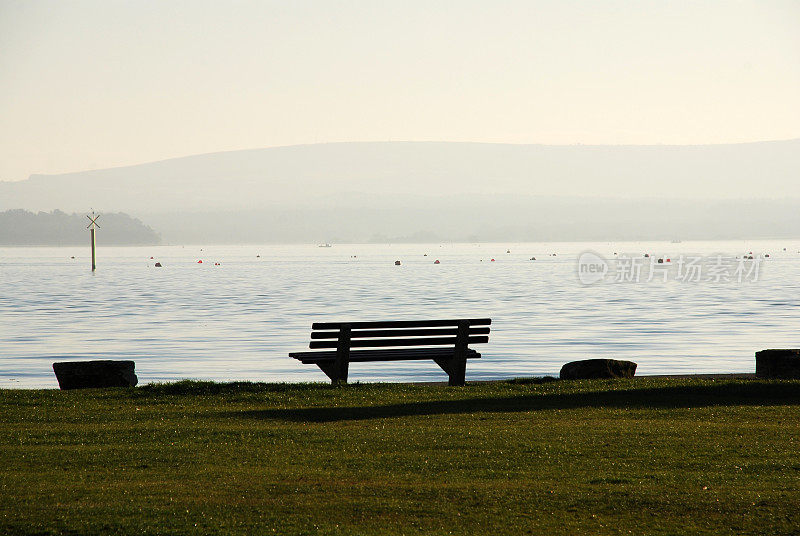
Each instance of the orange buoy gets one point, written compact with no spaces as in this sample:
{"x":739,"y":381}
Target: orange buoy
{"x":436,"y":261}
{"x":200,"y":262}
{"x":492,"y":260}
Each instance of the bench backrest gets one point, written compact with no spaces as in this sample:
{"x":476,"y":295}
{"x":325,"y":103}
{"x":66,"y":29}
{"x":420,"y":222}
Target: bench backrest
{"x":400,"y":333}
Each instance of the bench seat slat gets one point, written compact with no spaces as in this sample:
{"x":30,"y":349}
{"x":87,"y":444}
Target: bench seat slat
{"x":402,"y":324}
{"x":378,"y":333}
{"x":377,"y":343}
{"x":381,"y":355}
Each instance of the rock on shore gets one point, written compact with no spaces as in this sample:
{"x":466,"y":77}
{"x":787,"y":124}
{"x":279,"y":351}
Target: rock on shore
{"x":778,"y":363}
{"x":91,"y":374}
{"x":597,"y":368}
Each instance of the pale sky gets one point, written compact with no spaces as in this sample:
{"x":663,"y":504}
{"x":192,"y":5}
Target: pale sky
{"x":95,"y":84}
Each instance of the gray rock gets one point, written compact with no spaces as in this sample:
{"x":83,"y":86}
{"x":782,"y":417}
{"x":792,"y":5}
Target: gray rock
{"x":597,"y":368}
{"x":778,"y":363}
{"x":100,"y":373}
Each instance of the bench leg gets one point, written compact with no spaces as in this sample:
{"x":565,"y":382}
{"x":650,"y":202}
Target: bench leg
{"x":329,"y":369}
{"x":456,"y":369}
{"x":458,"y":363}
{"x":342,"y":366}
{"x":342,"y":363}
{"x":458,"y":376}
{"x":337,"y":372}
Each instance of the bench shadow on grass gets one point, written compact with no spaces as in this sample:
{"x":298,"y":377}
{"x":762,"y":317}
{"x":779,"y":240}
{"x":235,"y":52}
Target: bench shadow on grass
{"x":732,"y":394}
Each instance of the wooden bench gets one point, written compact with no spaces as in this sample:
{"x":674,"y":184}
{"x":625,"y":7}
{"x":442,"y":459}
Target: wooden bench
{"x":444,"y":341}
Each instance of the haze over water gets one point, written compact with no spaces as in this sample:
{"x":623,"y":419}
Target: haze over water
{"x":239,"y":320}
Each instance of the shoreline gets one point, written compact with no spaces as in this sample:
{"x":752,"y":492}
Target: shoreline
{"x":517,"y":379}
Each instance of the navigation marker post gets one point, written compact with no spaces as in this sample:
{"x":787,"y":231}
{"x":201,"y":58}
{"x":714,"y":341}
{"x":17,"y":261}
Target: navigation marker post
{"x":91,"y":227}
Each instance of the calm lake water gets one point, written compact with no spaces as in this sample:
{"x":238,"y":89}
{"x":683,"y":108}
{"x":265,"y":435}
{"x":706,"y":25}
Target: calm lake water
{"x":240,"y":319}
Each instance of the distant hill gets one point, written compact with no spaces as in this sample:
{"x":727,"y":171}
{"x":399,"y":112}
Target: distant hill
{"x":56,"y":228}
{"x":337,"y":173}
{"x":444,"y":191}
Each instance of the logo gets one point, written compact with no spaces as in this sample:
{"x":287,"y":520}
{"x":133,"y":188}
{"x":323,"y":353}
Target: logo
{"x":592,"y":268}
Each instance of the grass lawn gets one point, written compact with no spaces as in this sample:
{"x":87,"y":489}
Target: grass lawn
{"x":643,"y":456}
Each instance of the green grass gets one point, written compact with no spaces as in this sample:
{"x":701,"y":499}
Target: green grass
{"x":654,"y":456}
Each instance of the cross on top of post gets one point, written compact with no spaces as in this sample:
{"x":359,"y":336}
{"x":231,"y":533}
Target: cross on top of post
{"x":93,"y":220}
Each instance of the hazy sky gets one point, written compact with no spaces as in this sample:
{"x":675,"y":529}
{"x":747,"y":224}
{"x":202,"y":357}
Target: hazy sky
{"x":87,"y":84}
